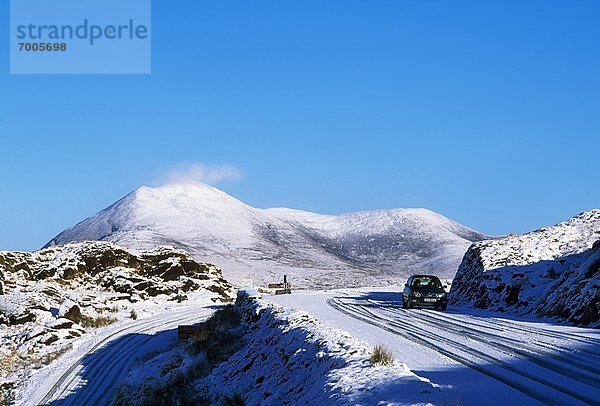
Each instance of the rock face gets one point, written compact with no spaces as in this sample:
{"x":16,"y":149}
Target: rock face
{"x":366,"y":248}
{"x":551,"y":272}
{"x":32,"y":278}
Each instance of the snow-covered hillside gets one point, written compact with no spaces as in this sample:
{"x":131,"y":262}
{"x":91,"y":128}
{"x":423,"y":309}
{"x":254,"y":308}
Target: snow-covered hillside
{"x":551,"y":272}
{"x":51,"y":298}
{"x":366,"y":248}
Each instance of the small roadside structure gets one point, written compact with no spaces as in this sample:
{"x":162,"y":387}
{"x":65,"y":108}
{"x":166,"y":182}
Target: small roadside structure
{"x":187,"y":331}
{"x":281,"y":288}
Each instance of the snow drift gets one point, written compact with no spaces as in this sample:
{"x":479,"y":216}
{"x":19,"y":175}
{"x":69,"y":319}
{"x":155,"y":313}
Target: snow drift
{"x":367,"y":248}
{"x":551,"y":272}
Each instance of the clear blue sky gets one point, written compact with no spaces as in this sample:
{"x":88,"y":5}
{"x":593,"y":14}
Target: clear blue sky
{"x":485,"y":111}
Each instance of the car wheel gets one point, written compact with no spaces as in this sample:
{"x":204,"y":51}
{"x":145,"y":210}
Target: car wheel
{"x":408,"y":304}
{"x":444,"y":307}
{"x":403,"y":303}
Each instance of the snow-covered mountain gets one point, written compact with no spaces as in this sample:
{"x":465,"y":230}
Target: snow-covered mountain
{"x":316,"y":250}
{"x":550,"y":272}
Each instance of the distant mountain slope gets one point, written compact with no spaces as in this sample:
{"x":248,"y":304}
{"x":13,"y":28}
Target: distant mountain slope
{"x":263,"y":244}
{"x":551,"y":272}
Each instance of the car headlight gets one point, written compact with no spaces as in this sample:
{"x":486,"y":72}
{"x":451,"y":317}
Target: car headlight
{"x":416,"y":294}
{"x":441,"y":295}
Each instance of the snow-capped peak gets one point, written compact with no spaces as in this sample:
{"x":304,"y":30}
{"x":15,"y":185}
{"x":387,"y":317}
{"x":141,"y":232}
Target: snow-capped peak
{"x":262,"y":244}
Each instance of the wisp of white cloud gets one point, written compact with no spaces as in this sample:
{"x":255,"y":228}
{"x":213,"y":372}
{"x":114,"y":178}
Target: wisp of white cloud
{"x":186,"y":172}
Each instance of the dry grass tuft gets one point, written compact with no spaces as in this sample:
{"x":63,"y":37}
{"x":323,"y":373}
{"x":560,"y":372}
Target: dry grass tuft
{"x":13,"y":362}
{"x":382,"y":356}
{"x":100,"y":321}
{"x":46,"y":359}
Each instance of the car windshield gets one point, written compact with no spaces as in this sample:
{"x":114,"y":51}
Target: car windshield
{"x":427,"y":282}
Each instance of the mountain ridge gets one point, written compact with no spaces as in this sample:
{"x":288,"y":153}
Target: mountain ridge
{"x":262,"y":244}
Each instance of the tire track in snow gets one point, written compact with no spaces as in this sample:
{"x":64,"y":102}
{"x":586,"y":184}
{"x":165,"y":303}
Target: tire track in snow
{"x":105,"y":369}
{"x":563,"y":387}
{"x":532,"y":385}
{"x":567,"y":358}
{"x":533,"y":330}
{"x":549,"y":356}
{"x":560,"y":364}
{"x":68,"y":376}
{"x":102,"y":380}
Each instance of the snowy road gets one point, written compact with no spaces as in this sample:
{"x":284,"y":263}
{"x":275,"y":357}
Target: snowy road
{"x":482,"y":355}
{"x":90,"y":376}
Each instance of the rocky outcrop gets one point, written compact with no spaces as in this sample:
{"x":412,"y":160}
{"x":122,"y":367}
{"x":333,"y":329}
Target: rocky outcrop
{"x":21,"y":308}
{"x":99,"y":266}
{"x":551,"y":272}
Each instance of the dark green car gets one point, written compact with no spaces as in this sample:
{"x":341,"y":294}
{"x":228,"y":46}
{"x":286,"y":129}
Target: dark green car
{"x":424,"y":291}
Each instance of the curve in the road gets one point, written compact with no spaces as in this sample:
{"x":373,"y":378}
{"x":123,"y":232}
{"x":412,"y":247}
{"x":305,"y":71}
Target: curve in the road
{"x":103,"y":370}
{"x":501,"y":325}
{"x":403,"y":323}
{"x":550,"y":356}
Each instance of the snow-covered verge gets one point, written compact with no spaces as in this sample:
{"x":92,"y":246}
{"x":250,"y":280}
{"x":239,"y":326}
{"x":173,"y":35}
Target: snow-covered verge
{"x":283,"y":356}
{"x":51,"y":298}
{"x":551,"y":272}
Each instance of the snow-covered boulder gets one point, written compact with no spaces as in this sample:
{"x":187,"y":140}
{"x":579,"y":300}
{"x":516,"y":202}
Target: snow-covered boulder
{"x":51,"y":332}
{"x":551,"y":272}
{"x":15,"y":309}
{"x":60,"y":324}
{"x":70,"y":310}
{"x":21,"y":308}
{"x":52,"y":293}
